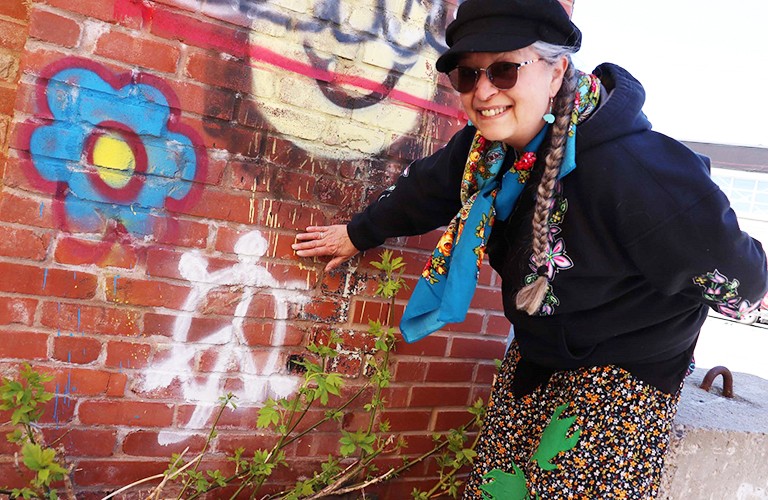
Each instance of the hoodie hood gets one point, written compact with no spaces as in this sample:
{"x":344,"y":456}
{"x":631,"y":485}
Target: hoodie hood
{"x":620,"y":112}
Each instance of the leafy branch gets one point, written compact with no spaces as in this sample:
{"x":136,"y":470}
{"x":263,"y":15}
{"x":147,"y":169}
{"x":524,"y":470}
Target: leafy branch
{"x":25,"y":399}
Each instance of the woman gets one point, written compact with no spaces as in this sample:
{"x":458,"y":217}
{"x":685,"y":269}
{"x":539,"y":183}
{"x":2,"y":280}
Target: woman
{"x":611,"y":241}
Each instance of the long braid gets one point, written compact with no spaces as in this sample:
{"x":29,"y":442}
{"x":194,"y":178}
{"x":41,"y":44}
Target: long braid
{"x":530,"y":297}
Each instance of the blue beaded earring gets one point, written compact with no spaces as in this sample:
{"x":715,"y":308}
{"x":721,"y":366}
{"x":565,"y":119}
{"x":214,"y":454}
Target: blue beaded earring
{"x":549,"y":117}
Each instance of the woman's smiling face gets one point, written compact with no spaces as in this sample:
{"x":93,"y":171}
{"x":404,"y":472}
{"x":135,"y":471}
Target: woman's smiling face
{"x":513,"y":116}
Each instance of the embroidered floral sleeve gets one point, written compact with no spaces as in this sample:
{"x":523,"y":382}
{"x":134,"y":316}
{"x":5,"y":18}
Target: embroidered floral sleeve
{"x":724,"y":295}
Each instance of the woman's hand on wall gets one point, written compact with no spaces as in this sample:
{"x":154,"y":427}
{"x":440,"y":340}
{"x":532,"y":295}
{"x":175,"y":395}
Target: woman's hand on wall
{"x":320,"y":241}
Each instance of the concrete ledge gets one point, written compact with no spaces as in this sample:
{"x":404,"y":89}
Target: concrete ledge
{"x":719,"y":446}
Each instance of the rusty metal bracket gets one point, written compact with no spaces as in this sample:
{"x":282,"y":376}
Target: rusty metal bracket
{"x":706,"y":384}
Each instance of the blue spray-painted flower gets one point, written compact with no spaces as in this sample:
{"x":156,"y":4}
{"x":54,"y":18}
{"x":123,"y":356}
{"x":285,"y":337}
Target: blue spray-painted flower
{"x":116,"y":144}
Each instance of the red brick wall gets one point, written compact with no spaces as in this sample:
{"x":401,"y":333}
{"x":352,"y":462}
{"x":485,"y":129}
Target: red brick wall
{"x":14,"y":26}
{"x":162,"y":156}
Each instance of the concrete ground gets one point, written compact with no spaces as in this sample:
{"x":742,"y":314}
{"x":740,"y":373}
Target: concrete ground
{"x":719,"y":448}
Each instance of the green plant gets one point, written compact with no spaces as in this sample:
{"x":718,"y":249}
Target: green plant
{"x":355,"y":468}
{"x":25,"y":399}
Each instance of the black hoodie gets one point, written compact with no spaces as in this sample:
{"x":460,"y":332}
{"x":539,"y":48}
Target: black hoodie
{"x":651,"y":239}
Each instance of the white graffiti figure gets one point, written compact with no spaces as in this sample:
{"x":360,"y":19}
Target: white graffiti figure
{"x":260,"y":380}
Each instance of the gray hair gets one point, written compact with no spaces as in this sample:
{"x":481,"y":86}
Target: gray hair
{"x":551,"y":53}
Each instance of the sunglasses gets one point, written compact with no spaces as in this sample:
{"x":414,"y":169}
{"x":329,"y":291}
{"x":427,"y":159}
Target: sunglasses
{"x":502,"y":75}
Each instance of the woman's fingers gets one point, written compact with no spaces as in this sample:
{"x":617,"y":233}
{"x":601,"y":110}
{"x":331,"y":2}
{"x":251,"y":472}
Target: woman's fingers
{"x":320,"y":241}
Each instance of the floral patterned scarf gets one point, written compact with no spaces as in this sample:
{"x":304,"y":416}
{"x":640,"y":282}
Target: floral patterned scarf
{"x":448,"y":282}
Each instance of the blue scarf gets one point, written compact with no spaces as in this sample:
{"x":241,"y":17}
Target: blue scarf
{"x":443,"y":293}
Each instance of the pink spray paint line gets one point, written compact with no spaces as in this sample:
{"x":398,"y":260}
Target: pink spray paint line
{"x":234,"y":42}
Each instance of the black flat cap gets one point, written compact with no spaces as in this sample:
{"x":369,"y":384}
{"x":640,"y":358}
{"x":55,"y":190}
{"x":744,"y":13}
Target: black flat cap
{"x":506,"y":25}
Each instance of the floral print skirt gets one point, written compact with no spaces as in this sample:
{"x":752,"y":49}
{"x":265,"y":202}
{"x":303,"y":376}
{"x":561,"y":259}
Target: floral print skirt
{"x":589,"y":433}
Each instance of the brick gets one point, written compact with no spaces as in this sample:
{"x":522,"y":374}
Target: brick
{"x":293,"y":275}
{"x":138,"y":50}
{"x":147,"y":293}
{"x":26,"y":210}
{"x":17,"y":310}
{"x":99,"y":9}
{"x":364,"y":311}
{"x":127,"y":355}
{"x":437,"y":396}
{"x":407,"y":420}
{"x":179,"y":232}
{"x":82,"y":318}
{"x":417,"y":444}
{"x":218,"y":72}
{"x":247,"y":113}
{"x":487,"y":298}
{"x":53,"y":28}
{"x":15,"y":476}
{"x":410,"y":371}
{"x":338,"y":192}
{"x":497,"y":325}
{"x":480,"y":392}
{"x":76,"y":251}
{"x":7,"y":100}
{"x":279,"y":244}
{"x":116,"y":471}
{"x":221,"y":205}
{"x":159,"y":324}
{"x":258,"y":333}
{"x":225,"y":135}
{"x":347,"y":364}
{"x":342,"y":283}
{"x":225,"y":300}
{"x":228,"y":442}
{"x":217,"y":164}
{"x":22,"y":344}
{"x":172,"y":391}
{"x":324,"y":310}
{"x":80,"y":381}
{"x":43,"y":281}
{"x":163,"y":263}
{"x":489,"y":277}
{"x":146,"y":444}
{"x":60,"y":410}
{"x":200,"y":34}
{"x":91,"y":442}
{"x":349,"y":339}
{"x":13,"y":35}
{"x":433,"y":345}
{"x":215,"y":359}
{"x":17,"y":9}
{"x":451,"y":371}
{"x":446,"y":419}
{"x":473,"y":323}
{"x":477,"y":348}
{"x":297,"y":186}
{"x":204,"y":100}
{"x":485,"y":373}
{"x":36,"y":61}
{"x":76,"y":349}
{"x":316,"y":445}
{"x":200,"y":329}
{"x":24,"y":243}
{"x":396,"y":396}
{"x":125,"y":412}
{"x":7,"y":448}
{"x":116,"y":384}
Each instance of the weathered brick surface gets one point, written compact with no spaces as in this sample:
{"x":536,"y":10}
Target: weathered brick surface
{"x":157,"y":159}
